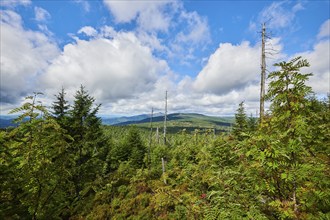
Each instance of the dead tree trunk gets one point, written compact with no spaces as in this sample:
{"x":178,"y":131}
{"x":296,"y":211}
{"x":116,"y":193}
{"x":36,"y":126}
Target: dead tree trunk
{"x":150,"y":138}
{"x":165,"y":118}
{"x":263,"y":73}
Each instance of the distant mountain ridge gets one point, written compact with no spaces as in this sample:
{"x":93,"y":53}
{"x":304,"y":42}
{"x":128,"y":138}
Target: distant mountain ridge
{"x":182,"y":120}
{"x":7,"y":121}
{"x":126,"y":119}
{"x":189,"y":119}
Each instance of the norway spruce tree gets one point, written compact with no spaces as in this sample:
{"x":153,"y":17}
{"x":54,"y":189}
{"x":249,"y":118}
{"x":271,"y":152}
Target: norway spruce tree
{"x":85,"y":129}
{"x":136,"y":147}
{"x":60,"y":109}
{"x":60,"y":105}
{"x":241,"y":124}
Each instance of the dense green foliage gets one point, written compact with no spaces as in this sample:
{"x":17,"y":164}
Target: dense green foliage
{"x":65,"y":165}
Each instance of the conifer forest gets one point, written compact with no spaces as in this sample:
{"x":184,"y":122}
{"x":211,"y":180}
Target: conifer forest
{"x":60,"y":162}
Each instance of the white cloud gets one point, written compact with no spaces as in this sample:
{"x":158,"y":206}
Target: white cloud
{"x":230,"y":67}
{"x":44,"y":29}
{"x":298,"y":7}
{"x":183,"y":98}
{"x":324,"y":30}
{"x":148,"y":99}
{"x":186,"y":95}
{"x":278,"y":15}
{"x":231,"y":75}
{"x":88,"y":30}
{"x":166,"y":26}
{"x":320,"y":67}
{"x":150,"y":15}
{"x":14,"y":3}
{"x":11,"y":18}
{"x":24,"y":55}
{"x":125,"y":11}
{"x":193,"y":34}
{"x":154,"y":18}
{"x":111,"y":69}
{"x":196,"y":29}
{"x":152,"y":41}
{"x":41,"y":14}
{"x":107,"y":32}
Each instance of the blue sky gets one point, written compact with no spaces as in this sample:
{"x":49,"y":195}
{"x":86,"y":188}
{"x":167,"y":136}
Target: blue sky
{"x":128,"y":53}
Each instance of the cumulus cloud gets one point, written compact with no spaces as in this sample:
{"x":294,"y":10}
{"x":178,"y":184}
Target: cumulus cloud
{"x":183,"y":98}
{"x":229,"y":68}
{"x":125,"y":11}
{"x":120,"y":69}
{"x":230,"y":76}
{"x":185,"y":95}
{"x":149,"y":99}
{"x":41,"y":14}
{"x":324,"y":30}
{"x":163,"y":16}
{"x":154,"y":18}
{"x":320,"y":67}
{"x":24,"y":55}
{"x":319,"y":57}
{"x":112,"y":69}
{"x":152,"y":41}
{"x":233,"y":67}
{"x":165,"y":26}
{"x":150,"y":16}
{"x":88,"y":31}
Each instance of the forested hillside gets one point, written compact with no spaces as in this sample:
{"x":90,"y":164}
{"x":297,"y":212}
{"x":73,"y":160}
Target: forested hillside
{"x":177,"y":122}
{"x":63,"y":164}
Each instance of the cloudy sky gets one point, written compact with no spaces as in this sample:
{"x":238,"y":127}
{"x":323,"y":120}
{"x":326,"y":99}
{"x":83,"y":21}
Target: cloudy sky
{"x":206,"y":54}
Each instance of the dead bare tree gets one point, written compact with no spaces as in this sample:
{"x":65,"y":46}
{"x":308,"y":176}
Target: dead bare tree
{"x":267,"y":51}
{"x":165,"y":118}
{"x":263,"y":72}
{"x":150,"y":138}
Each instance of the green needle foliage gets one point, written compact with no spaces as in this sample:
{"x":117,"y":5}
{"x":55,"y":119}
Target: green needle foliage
{"x":60,"y":109}
{"x":60,"y":106}
{"x":240,"y":126}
